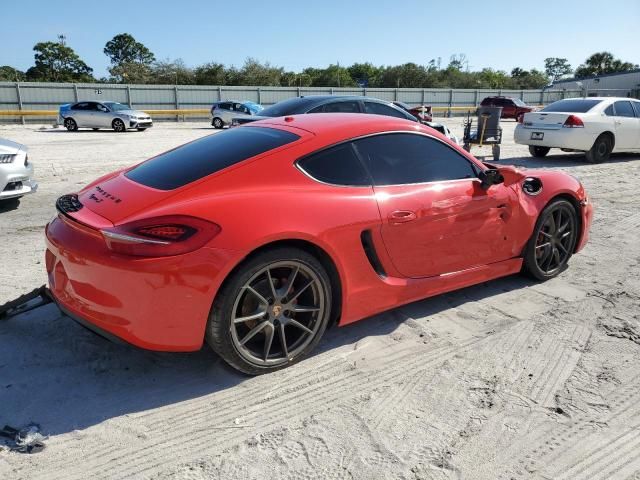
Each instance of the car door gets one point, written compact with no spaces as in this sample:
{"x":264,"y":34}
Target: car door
{"x":102,"y":116}
{"x":92,"y":118}
{"x":81,"y":114}
{"x":626,"y":124}
{"x":508,"y":108}
{"x":226,"y":112}
{"x":436,"y":216}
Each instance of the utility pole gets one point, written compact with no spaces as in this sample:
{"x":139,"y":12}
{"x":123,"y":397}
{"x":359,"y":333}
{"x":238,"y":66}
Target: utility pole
{"x":338,"y":74}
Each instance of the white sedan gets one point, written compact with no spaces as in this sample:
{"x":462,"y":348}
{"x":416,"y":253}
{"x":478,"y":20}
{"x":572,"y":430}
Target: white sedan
{"x":16,"y":171}
{"x":597,"y":126}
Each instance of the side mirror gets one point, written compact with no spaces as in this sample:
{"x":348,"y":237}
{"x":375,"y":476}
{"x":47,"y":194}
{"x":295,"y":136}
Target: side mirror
{"x":490,"y":177}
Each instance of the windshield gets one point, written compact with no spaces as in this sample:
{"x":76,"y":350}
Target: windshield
{"x":253,"y":107}
{"x":116,"y":107}
{"x":519,"y":102}
{"x":571,"y":106}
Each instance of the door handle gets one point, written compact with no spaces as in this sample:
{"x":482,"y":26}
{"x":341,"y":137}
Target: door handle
{"x":402,"y":216}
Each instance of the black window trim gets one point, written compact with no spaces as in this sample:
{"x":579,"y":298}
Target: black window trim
{"x":633,"y":109}
{"x":476,"y":168}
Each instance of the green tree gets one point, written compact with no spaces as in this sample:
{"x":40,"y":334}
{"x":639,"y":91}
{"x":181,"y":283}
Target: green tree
{"x":332,"y":76}
{"x":172,"y":72}
{"x":365,"y":72}
{"x":524,"y":79}
{"x":255,"y":73}
{"x":409,"y":75}
{"x":131,"y":61}
{"x":601,"y":63}
{"x":10,"y":74}
{"x":556,"y":68}
{"x":210,"y":74}
{"x":56,"y":62}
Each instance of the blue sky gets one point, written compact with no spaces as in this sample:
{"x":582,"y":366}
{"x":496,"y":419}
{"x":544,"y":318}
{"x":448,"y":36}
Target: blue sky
{"x":294,"y":34}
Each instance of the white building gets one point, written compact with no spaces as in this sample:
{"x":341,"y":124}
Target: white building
{"x":624,"y":84}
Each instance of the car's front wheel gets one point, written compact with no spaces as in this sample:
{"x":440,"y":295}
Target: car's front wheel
{"x":601,"y":149}
{"x":70,"y":124}
{"x":538,"y":152}
{"x":217,"y":123}
{"x":553,"y":241}
{"x":118,"y":125}
{"x":271,"y":312}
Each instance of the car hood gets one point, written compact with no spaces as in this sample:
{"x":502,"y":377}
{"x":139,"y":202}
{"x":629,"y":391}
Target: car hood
{"x":135,"y":113}
{"x":7,"y":147}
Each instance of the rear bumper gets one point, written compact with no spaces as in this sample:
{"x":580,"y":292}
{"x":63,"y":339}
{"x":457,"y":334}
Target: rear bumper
{"x":570,"y":138}
{"x":158,"y":304}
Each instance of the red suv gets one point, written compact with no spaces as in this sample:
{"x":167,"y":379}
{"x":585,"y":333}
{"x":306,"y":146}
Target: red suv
{"x":511,"y":107}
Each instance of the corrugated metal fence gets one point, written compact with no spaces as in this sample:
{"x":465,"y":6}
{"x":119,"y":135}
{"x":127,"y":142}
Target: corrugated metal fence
{"x":48,"y":96}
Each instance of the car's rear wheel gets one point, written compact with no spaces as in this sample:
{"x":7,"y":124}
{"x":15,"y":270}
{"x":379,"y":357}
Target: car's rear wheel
{"x":217,"y":123}
{"x":271,"y":312}
{"x":70,"y":124}
{"x":538,"y":152}
{"x":142,"y":129}
{"x":118,"y":125}
{"x":553,"y":241}
{"x":601,"y":149}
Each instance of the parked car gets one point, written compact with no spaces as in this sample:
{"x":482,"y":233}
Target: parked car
{"x":597,"y":126}
{"x":96,"y":115}
{"x":16,"y":171}
{"x":327,"y":104}
{"x":266,"y":235}
{"x":223,"y":112}
{"x":421,"y":112}
{"x":511,"y":107}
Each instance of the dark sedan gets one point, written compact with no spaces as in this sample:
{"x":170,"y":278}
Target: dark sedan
{"x":326,"y":104}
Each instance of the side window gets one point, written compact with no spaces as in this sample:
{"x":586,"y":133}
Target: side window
{"x":382,"y":109}
{"x":225,"y":106}
{"x":337,"y":165}
{"x":624,"y":109}
{"x":93,"y":106}
{"x":319,"y":109}
{"x":102,"y":108}
{"x":80,"y":106}
{"x":609,"y":111}
{"x":404,"y":158}
{"x":341,"y":107}
{"x":636,"y":105}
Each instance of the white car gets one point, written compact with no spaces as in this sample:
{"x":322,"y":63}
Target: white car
{"x":597,"y":126}
{"x":16,"y":171}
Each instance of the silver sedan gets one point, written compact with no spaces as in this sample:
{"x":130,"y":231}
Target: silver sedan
{"x":16,"y":172}
{"x":96,"y":115}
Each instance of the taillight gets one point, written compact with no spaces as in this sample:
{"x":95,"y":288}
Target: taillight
{"x":160,"y":236}
{"x":520,"y":118}
{"x":573,"y":122}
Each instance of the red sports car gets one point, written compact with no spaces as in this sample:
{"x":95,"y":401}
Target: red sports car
{"x":258,"y":238}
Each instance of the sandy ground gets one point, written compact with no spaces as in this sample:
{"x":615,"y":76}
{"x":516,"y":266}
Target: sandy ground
{"x":506,"y":380}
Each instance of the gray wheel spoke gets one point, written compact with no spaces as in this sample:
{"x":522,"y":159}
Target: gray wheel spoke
{"x":566,"y":234}
{"x":260,"y":297}
{"x":306,"y":285}
{"x":304,"y":309}
{"x":543,"y":245}
{"x":283,"y":340}
{"x":284,"y":291}
{"x":271,"y":285}
{"x":253,"y":316}
{"x":268,"y":341}
{"x":556,"y":256}
{"x":253,"y":332}
{"x":546,"y":235}
{"x":563,"y":227}
{"x":565,"y":251}
{"x":297,"y":324}
{"x":552,"y":224}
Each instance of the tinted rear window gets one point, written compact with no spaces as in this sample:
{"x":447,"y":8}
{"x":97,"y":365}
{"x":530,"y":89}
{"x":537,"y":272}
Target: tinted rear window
{"x":571,"y":106}
{"x":289,"y":107}
{"x":337,"y":165}
{"x":205,"y":156}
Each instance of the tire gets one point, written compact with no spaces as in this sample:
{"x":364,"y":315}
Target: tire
{"x":551,"y":245}
{"x":601,"y":149}
{"x":538,"y":152}
{"x":246,"y":295}
{"x":70,"y":124}
{"x":141,"y":129}
{"x":217,"y":123}
{"x":95,"y":129}
{"x":495,"y":151}
{"x":118,"y":125}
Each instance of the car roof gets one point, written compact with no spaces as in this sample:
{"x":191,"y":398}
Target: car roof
{"x":599,"y":98}
{"x":341,"y":126}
